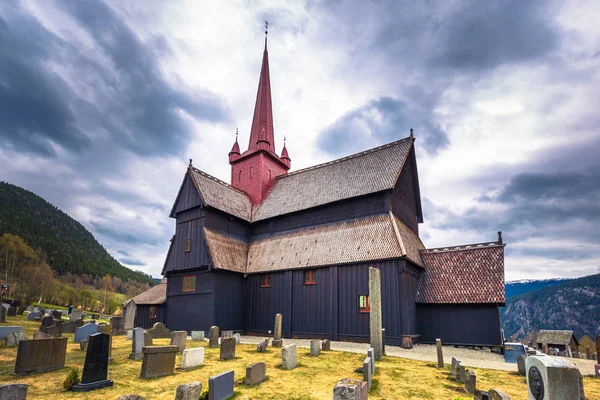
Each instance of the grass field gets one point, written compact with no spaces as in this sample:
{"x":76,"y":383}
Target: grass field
{"x":395,"y":378}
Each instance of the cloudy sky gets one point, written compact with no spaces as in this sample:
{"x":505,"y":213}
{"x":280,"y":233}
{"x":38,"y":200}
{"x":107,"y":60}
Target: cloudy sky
{"x":102,"y":104}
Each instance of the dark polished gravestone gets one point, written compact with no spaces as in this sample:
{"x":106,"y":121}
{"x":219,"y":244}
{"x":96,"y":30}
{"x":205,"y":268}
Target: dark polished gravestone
{"x":57,"y":314}
{"x":69,"y":327}
{"x":54,"y":330}
{"x":158,"y":361}
{"x":32,"y":316}
{"x":227,"y":348}
{"x":220,"y":387}
{"x":47,"y":321}
{"x":13,"y":392}
{"x":11,"y":312}
{"x":95,"y":368}
{"x":40,"y":355}
{"x":2,"y":314}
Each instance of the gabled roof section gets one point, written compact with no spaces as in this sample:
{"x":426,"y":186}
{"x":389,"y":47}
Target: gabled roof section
{"x":156,"y":295}
{"x":363,"y":173}
{"x":410,"y":243}
{"x":220,"y":195}
{"x":226,"y":251}
{"x":555,"y":337}
{"x":463,"y":274}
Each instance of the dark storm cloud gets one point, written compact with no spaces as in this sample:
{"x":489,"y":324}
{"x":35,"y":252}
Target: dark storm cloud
{"x":114,"y":89}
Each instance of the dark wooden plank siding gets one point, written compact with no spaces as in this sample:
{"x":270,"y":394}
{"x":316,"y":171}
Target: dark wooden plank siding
{"x":188,"y":215}
{"x":142,"y":316}
{"x":188,"y":196}
{"x":261,"y":304}
{"x":311,"y":307}
{"x":403,"y":196}
{"x":190,"y":311}
{"x":223,"y":222}
{"x":229,"y":292}
{"x":463,"y":324}
{"x":199,"y":255}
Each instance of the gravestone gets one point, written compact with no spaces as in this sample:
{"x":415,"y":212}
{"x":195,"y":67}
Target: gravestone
{"x":371,"y":354}
{"x":471,"y":382}
{"x":521,"y":364}
{"x":597,"y":370}
{"x":84,"y":331}
{"x":277,"y":341}
{"x":147,"y":339}
{"x":57,"y":314}
{"x":69,"y":327}
{"x":188,"y":391}
{"x":237,"y":337}
{"x":227,"y":334}
{"x":197,"y":335}
{"x":5,"y":330}
{"x":159,"y":331}
{"x":54,"y":330}
{"x":227,"y":348}
{"x":453,"y":368}
{"x":2,"y":314}
{"x":347,"y":389}
{"x":552,"y":378}
{"x":545,"y":348}
{"x":497,"y":394}
{"x":326,"y":345}
{"x":255,"y":373}
{"x":137,"y":344}
{"x":17,"y":391}
{"x":220,"y":387}
{"x":440,"y":355}
{"x":158,"y":361}
{"x":367,"y":372}
{"x":33,"y":315}
{"x":213,"y":337}
{"x":179,"y":338}
{"x":462,"y":378}
{"x":14,"y":338}
{"x":76,"y":315}
{"x":130,"y":334}
{"x":289,"y":357}
{"x":375,"y":312}
{"x":588,"y":352}
{"x":11,"y":312}
{"x":583,"y":356}
{"x":115,"y":323}
{"x":40,"y":355}
{"x":83,"y":345}
{"x":41,"y":335}
{"x":95,"y":367}
{"x":131,"y":397}
{"x":192,"y":358}
{"x":315,"y":347}
{"x":105,"y":328}
{"x":575,"y":354}
{"x":262,"y":345}
{"x":568,"y":349}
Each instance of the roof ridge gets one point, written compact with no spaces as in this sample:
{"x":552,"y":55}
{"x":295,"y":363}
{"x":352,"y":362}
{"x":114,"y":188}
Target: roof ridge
{"x":209,"y":176}
{"x":463,"y":247}
{"x":346,"y":158}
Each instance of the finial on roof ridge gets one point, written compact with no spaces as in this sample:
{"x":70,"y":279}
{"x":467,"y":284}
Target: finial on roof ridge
{"x":411,"y":132}
{"x":499,"y":237}
{"x":190,"y":163}
{"x":266,"y":33}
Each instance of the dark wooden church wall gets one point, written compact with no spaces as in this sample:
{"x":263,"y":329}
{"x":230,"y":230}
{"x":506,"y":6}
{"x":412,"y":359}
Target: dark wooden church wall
{"x":190,"y":311}
{"x":223,"y":222}
{"x":463,"y":324}
{"x":261,"y":304}
{"x":187,"y":197}
{"x":373,"y":204}
{"x":311,"y":304}
{"x":142,"y":316}
{"x":409,"y":276}
{"x":403,"y":196}
{"x":228,"y":300}
{"x":198,"y":256}
{"x":188,"y":215}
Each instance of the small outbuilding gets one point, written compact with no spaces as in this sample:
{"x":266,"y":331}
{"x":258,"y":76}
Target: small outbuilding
{"x":147,"y":308}
{"x":557,"y":339}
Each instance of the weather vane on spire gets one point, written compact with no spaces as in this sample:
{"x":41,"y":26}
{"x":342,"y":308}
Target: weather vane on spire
{"x":236,"y":134}
{"x":266,"y":27}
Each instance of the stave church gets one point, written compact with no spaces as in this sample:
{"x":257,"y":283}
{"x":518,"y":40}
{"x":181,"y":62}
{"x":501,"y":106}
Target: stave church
{"x":300,"y":243}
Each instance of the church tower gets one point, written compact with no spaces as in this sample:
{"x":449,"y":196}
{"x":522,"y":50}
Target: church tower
{"x":254,"y":170}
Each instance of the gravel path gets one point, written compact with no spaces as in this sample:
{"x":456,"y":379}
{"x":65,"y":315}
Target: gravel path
{"x":427,"y":352}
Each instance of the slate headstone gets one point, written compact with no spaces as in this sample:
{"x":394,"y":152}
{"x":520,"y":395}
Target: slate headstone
{"x":188,"y":391}
{"x":315,"y":347}
{"x":158,"y":361}
{"x":255,"y":373}
{"x":227,"y":348}
{"x":553,"y":378}
{"x":289,"y":356}
{"x":159,"y":331}
{"x":197,"y":335}
{"x":471,"y":382}
{"x":440,"y":354}
{"x":11,"y":312}
{"x":521,"y":364}
{"x":95,"y":367}
{"x":277,"y":341}
{"x":213,"y":337}
{"x":116,"y":323}
{"x":40,"y":355}
{"x":54,"y":330}
{"x":137,"y":344}
{"x":16,"y":391}
{"x":84,"y":331}
{"x":32,"y":316}
{"x":462,"y":377}
{"x":375,"y":312}
{"x":179,"y":338}
{"x":367,"y":372}
{"x":192,"y":358}
{"x":2,"y":314}
{"x":347,"y":389}
{"x":326,"y":345}
{"x":14,"y":338}
{"x":262,"y":345}
{"x":56,"y":314}
{"x":453,"y":368}
{"x":220,"y":387}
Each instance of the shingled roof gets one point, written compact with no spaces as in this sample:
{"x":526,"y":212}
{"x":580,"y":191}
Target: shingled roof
{"x":157,"y":294}
{"x":220,"y":195}
{"x":463,"y":274}
{"x":367,"y":172}
{"x":555,"y":337}
{"x":358,"y":240}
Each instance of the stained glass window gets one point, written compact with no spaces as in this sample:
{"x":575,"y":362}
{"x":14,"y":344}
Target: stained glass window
{"x":363,"y":303}
{"x":189,"y":283}
{"x":152,"y":313}
{"x":188,"y":245}
{"x":310,"y":277}
{"x":264,"y":281}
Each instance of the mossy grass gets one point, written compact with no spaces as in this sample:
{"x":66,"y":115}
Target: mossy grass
{"x":395,"y":378}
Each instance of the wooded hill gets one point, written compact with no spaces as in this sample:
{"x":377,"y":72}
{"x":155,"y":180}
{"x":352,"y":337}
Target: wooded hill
{"x":69,"y":247}
{"x":573,"y":304}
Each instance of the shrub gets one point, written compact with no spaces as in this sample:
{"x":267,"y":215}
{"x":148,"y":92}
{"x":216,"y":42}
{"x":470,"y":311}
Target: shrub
{"x":71,"y":379}
{"x":204,"y":394}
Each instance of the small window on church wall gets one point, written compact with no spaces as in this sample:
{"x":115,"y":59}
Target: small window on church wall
{"x":363,"y":304}
{"x":189,"y":283}
{"x":264,"y":281}
{"x":152,"y":313}
{"x":188,"y":245}
{"x":310,"y":277}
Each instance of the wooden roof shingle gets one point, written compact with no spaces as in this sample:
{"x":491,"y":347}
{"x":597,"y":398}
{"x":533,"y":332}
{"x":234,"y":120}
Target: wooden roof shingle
{"x":156,"y":295}
{"x":555,"y":336}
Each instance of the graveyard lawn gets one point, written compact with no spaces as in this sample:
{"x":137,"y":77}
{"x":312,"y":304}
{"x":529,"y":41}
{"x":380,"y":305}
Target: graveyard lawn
{"x":314,"y":378}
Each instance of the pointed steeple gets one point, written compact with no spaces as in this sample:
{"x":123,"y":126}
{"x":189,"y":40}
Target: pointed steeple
{"x":234,"y":154}
{"x":263,"y":110}
{"x":285,"y":156}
